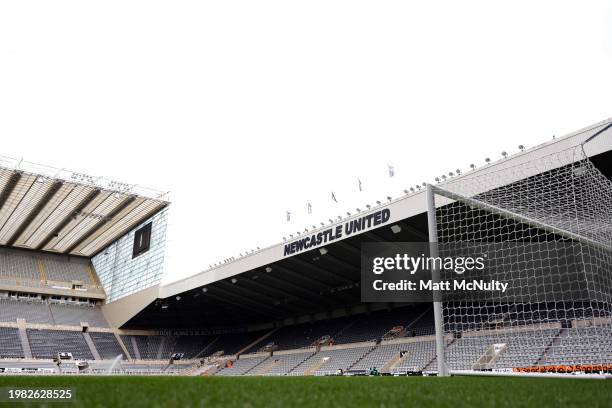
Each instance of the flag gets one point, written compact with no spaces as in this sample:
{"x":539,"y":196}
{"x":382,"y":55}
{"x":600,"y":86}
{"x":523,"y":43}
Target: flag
{"x":334,"y":197}
{"x":391,"y":170}
{"x":309,"y":208}
{"x":288,"y":216}
{"x":360,"y":186}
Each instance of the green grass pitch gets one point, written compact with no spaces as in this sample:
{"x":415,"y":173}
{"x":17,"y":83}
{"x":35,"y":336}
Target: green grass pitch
{"x":322,"y":392}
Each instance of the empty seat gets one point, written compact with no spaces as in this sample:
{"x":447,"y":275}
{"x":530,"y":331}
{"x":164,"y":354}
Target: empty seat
{"x":335,"y":359}
{"x":18,"y":264}
{"x":33,"y":311}
{"x":10,"y":344}
{"x":107,"y":345}
{"x":73,"y":315}
{"x":48,"y":343}
{"x":66,"y":269}
{"x":243,"y":366}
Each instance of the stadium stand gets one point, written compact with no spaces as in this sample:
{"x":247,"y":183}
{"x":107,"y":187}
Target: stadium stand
{"x":18,"y":264}
{"x":306,"y":334}
{"x":130,"y":344}
{"x":148,"y":346}
{"x":32,"y":310}
{"x":47,"y":343}
{"x":107,"y":345}
{"x":43,"y":311}
{"x":375,"y":325}
{"x":578,"y":345}
{"x":232,"y":343}
{"x":351,"y":329}
{"x":10,"y":344}
{"x":400,"y":355}
{"x":282,"y":364}
{"x":523,"y":348}
{"x":73,"y":315}
{"x":162,"y":347}
{"x":294,"y":298}
{"x":420,"y":355}
{"x":379,"y":356}
{"x":67,"y":269}
{"x":36,"y":266}
{"x":244,"y":365}
{"x":194,"y":346}
{"x":525,"y":345}
{"x":332,"y":360}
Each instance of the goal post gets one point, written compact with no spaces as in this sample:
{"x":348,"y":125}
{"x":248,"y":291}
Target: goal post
{"x":546,"y":225}
{"x":437,"y":306}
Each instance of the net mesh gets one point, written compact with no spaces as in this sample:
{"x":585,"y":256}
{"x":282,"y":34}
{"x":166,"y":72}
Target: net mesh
{"x":561,"y":199}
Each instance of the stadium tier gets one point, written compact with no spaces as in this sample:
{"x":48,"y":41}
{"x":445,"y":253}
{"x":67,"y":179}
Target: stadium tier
{"x":81,"y":268}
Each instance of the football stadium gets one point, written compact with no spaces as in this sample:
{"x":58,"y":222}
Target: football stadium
{"x":82,"y":306}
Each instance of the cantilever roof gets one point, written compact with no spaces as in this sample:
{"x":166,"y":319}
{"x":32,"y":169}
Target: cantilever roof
{"x":269,"y":285}
{"x":60,"y":211}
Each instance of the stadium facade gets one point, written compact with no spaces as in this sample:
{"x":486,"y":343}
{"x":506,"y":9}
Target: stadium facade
{"x":82,"y":260}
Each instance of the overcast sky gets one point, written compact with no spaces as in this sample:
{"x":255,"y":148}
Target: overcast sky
{"x":247,"y":109}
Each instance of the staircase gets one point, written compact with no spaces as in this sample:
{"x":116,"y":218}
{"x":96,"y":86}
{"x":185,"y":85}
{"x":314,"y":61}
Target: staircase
{"x":317,"y":366}
{"x":430,"y":365}
{"x":393,"y":362}
{"x":200,"y":370}
{"x":23,"y":336}
{"x":553,"y":343}
{"x":51,"y":314}
{"x":267,"y":367}
{"x":92,"y":346}
{"x":125,"y":350}
{"x":162,"y":345}
{"x":256,"y":366}
{"x":135,"y":347}
{"x":365,"y":354}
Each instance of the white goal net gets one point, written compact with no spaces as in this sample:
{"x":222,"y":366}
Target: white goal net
{"x":546,"y":226}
